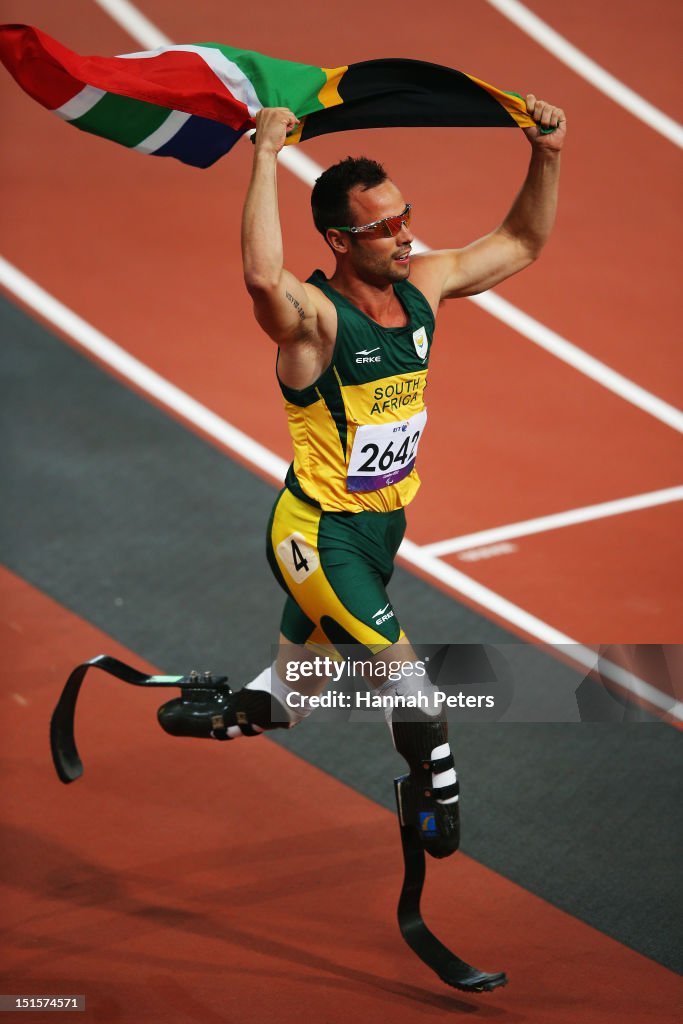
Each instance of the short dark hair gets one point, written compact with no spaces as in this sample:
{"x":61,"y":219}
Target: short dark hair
{"x":330,"y":196}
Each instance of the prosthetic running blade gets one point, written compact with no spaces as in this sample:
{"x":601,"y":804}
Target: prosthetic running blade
{"x":449,"y":967}
{"x":67,"y":762}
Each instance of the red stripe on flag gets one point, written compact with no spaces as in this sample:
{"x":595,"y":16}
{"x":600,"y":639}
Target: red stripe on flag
{"x":38,"y":69}
{"x":178,"y":80}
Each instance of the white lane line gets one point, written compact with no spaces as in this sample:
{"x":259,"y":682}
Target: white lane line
{"x":574,"y":356}
{"x":135,"y":23}
{"x":543,"y":524}
{"x":541,"y":32}
{"x":144,"y":378}
{"x":183,"y":405}
{"x":308,"y":170}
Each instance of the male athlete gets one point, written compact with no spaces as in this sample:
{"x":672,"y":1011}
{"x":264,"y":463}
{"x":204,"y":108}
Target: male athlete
{"x":353,"y":353}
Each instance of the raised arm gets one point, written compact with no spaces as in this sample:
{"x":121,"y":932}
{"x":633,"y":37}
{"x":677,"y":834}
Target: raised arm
{"x":284,"y":307}
{"x":518,"y":241}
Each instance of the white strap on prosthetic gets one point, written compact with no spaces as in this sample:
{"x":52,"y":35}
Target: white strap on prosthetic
{"x":424,"y":695}
{"x":441,"y":779}
{"x":270,"y":681}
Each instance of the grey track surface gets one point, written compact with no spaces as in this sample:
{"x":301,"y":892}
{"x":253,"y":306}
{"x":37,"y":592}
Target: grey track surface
{"x":156,"y":537}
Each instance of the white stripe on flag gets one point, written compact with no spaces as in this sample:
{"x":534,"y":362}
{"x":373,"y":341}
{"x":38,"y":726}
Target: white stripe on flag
{"x":80,"y":104}
{"x":164,"y":133}
{"x":234,"y":80}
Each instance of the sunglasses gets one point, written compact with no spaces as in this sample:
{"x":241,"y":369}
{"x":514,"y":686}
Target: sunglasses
{"x":387,"y":227}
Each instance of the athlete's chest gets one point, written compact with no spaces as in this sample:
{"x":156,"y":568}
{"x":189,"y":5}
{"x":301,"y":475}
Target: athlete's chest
{"x":382,"y":373}
{"x":366,"y":352}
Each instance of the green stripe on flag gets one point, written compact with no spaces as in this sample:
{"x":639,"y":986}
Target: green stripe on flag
{"x":279,"y":83}
{"x":122,"y":119}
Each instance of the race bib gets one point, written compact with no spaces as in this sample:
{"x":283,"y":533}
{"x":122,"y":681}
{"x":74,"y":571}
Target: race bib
{"x":384,"y":453}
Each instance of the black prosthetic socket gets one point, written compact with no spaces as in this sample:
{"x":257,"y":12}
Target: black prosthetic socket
{"x":438,"y":824}
{"x":208,"y":710}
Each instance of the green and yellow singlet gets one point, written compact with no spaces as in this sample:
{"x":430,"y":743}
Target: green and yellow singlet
{"x":356,"y":430}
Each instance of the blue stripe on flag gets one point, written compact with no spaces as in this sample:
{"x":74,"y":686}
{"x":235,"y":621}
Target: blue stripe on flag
{"x":200,"y":142}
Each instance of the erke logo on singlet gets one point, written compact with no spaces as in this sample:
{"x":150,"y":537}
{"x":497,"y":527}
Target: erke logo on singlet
{"x":421,"y":342}
{"x":365,"y":355}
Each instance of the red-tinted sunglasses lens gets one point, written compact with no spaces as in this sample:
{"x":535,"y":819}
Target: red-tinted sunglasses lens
{"x":393,"y":225}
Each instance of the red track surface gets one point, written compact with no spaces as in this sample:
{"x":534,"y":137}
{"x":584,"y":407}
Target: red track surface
{"x":189,"y":903}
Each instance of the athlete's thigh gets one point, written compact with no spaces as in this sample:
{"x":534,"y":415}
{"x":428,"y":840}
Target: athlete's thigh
{"x":331,"y":575}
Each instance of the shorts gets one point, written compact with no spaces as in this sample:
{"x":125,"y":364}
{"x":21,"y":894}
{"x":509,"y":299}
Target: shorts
{"x":334,"y":567}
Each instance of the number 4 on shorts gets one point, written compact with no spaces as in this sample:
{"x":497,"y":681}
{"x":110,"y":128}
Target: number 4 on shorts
{"x":298,"y":557}
{"x":299,"y":561}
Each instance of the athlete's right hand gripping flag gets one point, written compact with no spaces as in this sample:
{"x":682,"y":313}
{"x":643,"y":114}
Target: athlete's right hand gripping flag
{"x":194,"y":101}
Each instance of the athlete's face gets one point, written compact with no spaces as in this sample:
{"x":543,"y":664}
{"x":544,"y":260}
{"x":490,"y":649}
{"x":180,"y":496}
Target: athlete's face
{"x":374,"y":257}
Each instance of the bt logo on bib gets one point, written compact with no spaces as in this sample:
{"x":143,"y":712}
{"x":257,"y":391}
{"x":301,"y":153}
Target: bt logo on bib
{"x":421,"y":342}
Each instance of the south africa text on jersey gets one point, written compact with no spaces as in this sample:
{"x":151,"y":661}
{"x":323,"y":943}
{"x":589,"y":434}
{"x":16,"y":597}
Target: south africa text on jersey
{"x":397,"y":394}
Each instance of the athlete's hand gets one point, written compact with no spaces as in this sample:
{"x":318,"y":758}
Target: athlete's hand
{"x":546,"y":116}
{"x":273,"y":125}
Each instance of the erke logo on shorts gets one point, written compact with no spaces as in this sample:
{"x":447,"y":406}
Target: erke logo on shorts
{"x":382,"y":617}
{"x":365,"y":355}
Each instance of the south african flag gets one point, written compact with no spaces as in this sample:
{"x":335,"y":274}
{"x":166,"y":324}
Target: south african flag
{"x":194,"y":101}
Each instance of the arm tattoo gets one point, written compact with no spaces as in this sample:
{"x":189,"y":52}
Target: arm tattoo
{"x":297,"y":306}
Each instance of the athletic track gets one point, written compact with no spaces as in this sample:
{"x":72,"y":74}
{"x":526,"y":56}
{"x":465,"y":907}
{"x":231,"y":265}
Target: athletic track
{"x":121,"y":887}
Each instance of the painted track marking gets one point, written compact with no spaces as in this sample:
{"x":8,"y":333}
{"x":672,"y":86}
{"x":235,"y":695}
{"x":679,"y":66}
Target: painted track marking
{"x":543,"y":524}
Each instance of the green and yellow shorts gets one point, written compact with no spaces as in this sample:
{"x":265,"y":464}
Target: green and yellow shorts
{"x":334,"y":567}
